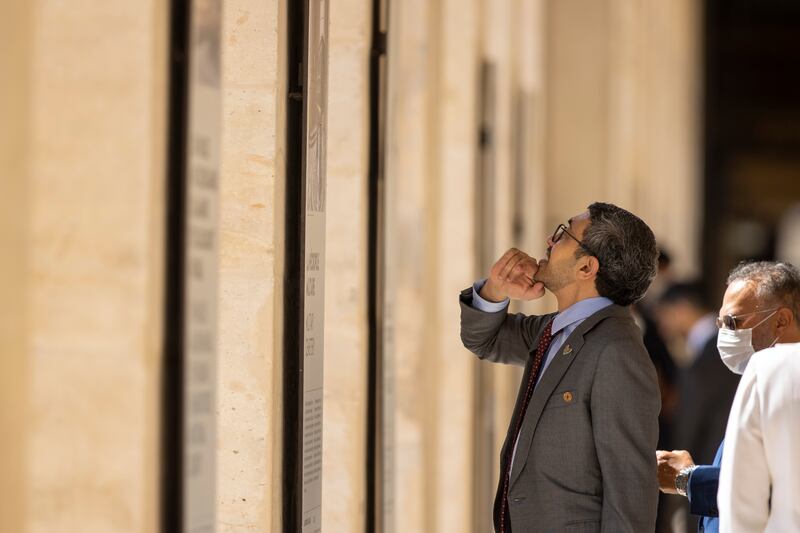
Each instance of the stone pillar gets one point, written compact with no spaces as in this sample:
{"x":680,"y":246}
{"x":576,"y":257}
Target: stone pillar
{"x":346,"y":329}
{"x":513,"y":42}
{"x":530,"y":43}
{"x":88,"y":89}
{"x":16,"y":54}
{"x":577,"y":74}
{"x":622,"y":126}
{"x":407,"y":376}
{"x":671,"y":188}
{"x":654,"y":120}
{"x":450,"y":217}
{"x":249,"y":393}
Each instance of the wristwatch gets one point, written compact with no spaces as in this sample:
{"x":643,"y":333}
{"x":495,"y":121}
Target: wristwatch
{"x":682,"y":479}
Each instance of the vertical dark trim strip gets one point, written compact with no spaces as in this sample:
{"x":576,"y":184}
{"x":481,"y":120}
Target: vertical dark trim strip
{"x":374,"y":466}
{"x":297,"y":28}
{"x":483,"y":402}
{"x":714,"y":191}
{"x":171,"y":511}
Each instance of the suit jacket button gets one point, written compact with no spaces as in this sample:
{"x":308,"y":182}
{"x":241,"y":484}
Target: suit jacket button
{"x":567,"y":396}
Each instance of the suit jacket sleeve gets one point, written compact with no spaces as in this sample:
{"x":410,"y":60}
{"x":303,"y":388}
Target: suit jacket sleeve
{"x":703,"y":484}
{"x":499,"y":337}
{"x":625,"y":403}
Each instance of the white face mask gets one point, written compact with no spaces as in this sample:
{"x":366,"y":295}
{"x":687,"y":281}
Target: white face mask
{"x":736,"y":346}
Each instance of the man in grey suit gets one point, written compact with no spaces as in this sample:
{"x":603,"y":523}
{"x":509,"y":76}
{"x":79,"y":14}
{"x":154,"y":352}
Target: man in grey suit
{"x":578,"y":455}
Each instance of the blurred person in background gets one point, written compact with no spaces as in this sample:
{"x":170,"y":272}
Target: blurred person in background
{"x":705,"y":387}
{"x":644,"y":314}
{"x":664,"y":278}
{"x":754,"y":316}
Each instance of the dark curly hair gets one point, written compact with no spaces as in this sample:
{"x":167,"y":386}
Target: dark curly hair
{"x":626,"y":250}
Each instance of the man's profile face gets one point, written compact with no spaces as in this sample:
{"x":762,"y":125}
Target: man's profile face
{"x":557,"y":270}
{"x":740,"y":299}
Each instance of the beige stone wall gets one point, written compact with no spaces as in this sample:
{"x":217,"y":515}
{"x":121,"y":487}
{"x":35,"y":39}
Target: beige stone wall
{"x":435,"y":52}
{"x":249,"y":394}
{"x":514,"y":41}
{"x":90,"y":178}
{"x":623,"y":114}
{"x":449,"y":230}
{"x":578,"y":118}
{"x":595,"y":99}
{"x":577,"y":78}
{"x":408,"y":382}
{"x":15,"y":54}
{"x":346,"y":331}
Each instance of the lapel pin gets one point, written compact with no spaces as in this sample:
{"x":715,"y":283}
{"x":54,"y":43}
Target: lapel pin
{"x":567,"y":349}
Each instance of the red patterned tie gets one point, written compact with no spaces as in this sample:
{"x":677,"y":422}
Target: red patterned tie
{"x":541,"y":350}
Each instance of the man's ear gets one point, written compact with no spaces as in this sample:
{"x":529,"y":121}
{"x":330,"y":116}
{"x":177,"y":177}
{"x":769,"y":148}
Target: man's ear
{"x":785,"y":319}
{"x":588,"y":267}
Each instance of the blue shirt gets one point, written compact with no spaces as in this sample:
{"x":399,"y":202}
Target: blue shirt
{"x":564,"y":323}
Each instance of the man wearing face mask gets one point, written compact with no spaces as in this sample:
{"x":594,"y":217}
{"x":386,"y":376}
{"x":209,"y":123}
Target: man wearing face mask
{"x":758,"y":310}
{"x":759,"y":482}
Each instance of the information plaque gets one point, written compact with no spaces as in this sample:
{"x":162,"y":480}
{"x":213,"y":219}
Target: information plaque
{"x":200,"y":296}
{"x":314,"y":261}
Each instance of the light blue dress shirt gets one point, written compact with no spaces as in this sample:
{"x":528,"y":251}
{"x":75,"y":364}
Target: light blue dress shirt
{"x":564,"y":322}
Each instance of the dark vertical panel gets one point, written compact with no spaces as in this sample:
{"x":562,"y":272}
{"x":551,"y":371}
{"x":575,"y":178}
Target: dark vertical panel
{"x":375,"y":268}
{"x":171,"y":515}
{"x":484,"y":459}
{"x":520,"y":117}
{"x":485,"y":183}
{"x":711,"y":184}
{"x":751,"y":130}
{"x":297,"y":27}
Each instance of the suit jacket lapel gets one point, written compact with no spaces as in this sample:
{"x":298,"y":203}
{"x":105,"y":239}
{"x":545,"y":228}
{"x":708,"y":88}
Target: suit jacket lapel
{"x":550,"y":380}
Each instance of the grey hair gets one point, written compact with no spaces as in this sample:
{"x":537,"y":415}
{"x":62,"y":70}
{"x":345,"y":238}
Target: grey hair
{"x":626,"y":249}
{"x":774,"y":281}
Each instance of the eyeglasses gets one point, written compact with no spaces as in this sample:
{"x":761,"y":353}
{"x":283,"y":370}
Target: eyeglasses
{"x":729,"y":321}
{"x":561,"y":230}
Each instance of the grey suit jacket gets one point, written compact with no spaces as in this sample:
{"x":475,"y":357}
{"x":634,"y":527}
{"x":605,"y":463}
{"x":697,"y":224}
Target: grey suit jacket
{"x":585,"y":459}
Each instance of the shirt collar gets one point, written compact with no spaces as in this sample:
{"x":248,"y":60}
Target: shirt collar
{"x":579,"y":311}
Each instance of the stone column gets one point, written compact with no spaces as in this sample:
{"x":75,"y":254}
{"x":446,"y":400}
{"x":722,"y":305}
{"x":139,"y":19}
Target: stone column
{"x":346,"y":329}
{"x":408,"y":378}
{"x":16,"y":54}
{"x":249,"y":392}
{"x":622,"y":126}
{"x":86,"y":191}
{"x":450,"y":217}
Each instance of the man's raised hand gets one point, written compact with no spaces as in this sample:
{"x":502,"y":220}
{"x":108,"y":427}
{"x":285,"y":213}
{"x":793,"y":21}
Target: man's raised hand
{"x":512,"y":277}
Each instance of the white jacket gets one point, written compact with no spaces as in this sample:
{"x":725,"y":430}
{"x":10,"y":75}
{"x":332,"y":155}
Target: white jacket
{"x":759,"y":484}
